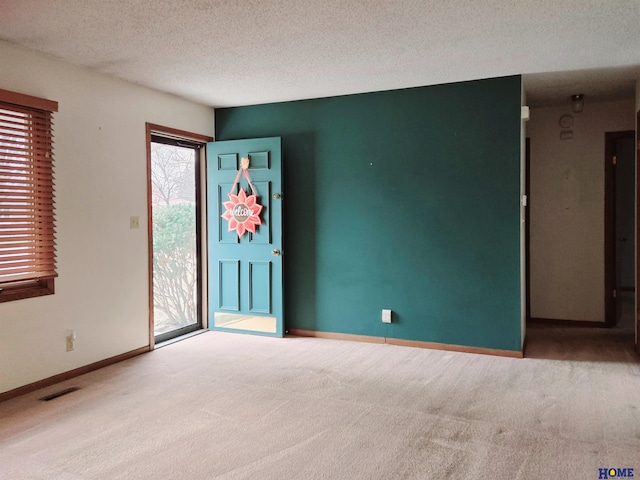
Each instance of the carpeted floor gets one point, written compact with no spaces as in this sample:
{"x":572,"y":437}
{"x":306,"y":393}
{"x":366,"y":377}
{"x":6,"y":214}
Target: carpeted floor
{"x":231,"y":406}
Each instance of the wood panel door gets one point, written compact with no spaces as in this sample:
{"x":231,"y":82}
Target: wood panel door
{"x":245,"y":269}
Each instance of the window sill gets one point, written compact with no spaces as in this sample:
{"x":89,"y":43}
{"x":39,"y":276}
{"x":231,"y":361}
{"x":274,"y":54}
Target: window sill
{"x":30,"y":290}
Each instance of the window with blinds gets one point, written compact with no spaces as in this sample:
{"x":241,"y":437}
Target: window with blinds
{"x":27,"y":227}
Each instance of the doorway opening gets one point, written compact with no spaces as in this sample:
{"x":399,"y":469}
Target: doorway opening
{"x":620,"y":228}
{"x":175,"y":243}
{"x":637,"y":234}
{"x":572,"y":252}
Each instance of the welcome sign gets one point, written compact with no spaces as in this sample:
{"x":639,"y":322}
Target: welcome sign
{"x":242,"y":212}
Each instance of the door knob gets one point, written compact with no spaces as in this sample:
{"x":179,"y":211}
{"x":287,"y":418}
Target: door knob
{"x":275,"y":253}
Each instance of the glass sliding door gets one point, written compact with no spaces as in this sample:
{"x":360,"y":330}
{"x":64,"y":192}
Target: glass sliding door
{"x":174,"y":185}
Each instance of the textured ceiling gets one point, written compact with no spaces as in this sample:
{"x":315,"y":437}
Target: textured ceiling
{"x":239,"y":52}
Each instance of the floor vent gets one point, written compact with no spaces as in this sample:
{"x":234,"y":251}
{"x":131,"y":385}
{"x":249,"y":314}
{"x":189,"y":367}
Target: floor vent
{"x":53,"y":396}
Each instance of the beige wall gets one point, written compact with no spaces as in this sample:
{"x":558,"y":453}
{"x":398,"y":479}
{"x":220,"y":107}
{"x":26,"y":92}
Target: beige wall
{"x":100,"y":153}
{"x":567,"y":209}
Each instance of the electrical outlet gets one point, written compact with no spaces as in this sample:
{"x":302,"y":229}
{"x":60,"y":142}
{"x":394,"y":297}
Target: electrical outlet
{"x":386,"y":316}
{"x":134,"y":222}
{"x":71,"y":340}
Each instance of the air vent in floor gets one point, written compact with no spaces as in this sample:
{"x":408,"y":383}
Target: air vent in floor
{"x":53,"y":396}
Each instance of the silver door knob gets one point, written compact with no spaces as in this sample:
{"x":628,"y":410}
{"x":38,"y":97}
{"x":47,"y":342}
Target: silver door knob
{"x":275,"y":253}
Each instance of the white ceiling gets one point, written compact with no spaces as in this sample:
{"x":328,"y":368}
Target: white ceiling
{"x":240,"y":52}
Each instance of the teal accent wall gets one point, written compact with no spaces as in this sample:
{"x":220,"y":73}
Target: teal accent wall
{"x":405,"y":199}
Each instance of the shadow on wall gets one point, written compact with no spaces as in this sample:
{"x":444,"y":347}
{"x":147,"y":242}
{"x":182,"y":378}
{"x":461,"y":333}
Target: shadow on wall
{"x":299,"y":168}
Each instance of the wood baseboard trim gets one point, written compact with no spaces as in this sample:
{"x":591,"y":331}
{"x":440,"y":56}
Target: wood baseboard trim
{"x":407,"y":343}
{"x":61,"y":377}
{"x":455,"y":348}
{"x":336,"y":336}
{"x":567,"y":323}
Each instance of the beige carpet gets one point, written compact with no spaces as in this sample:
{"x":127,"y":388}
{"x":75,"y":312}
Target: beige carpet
{"x":232,"y":406}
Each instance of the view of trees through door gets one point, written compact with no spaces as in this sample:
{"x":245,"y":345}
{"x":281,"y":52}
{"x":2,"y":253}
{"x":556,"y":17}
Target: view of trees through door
{"x":174,"y":216}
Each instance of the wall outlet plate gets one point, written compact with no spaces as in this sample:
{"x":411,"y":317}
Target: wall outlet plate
{"x":71,"y":340}
{"x":386,"y":316}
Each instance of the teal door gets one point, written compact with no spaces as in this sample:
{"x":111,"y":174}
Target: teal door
{"x":245,"y":236}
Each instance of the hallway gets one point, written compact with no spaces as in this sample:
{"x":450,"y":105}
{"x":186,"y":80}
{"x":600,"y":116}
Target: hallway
{"x":587,"y":344}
